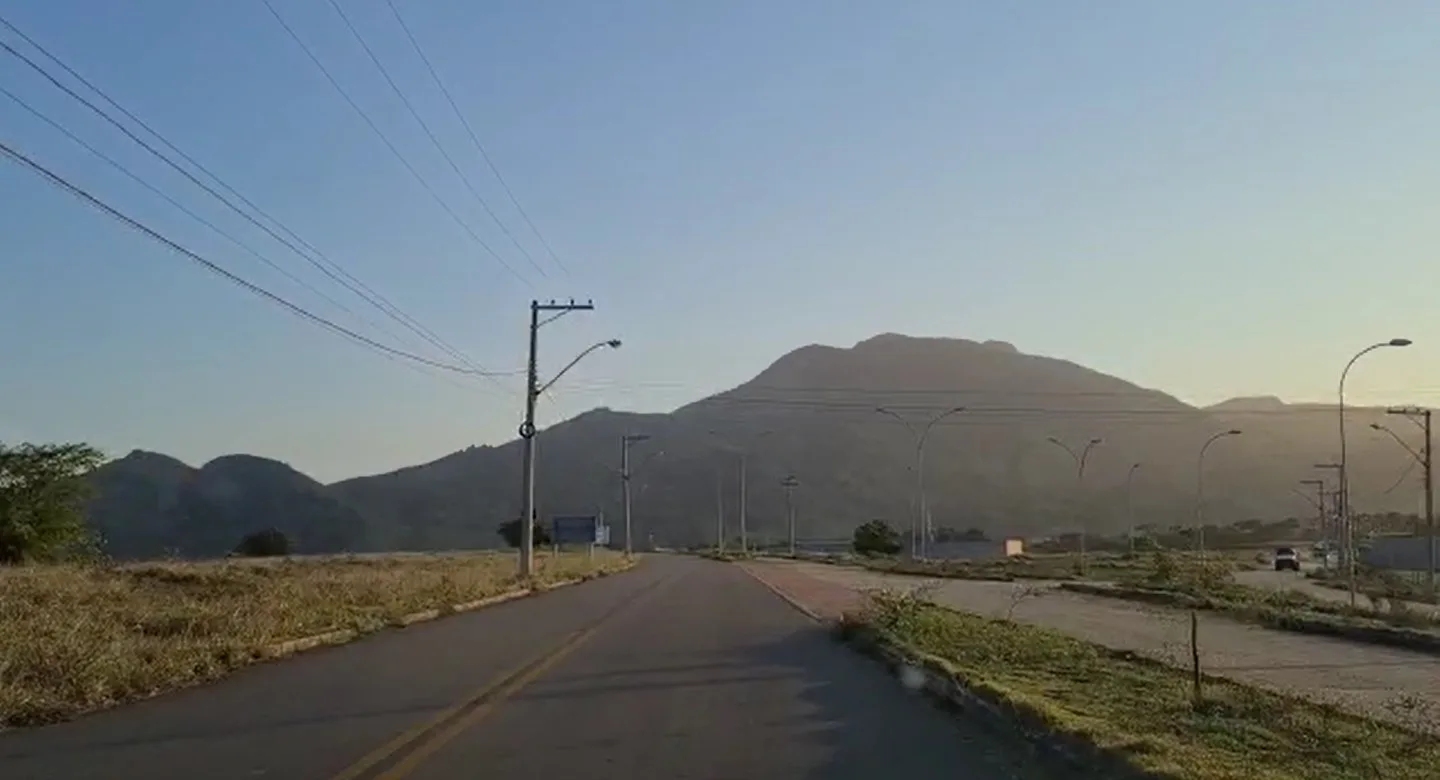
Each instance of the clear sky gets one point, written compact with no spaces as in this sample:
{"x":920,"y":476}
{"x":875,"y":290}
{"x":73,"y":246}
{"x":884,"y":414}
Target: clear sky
{"x":1213,"y":198}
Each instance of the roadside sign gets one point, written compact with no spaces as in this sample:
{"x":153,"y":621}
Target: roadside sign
{"x":576,"y":529}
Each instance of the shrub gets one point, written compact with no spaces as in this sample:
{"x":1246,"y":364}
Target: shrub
{"x":263,"y":544}
{"x":876,"y":538}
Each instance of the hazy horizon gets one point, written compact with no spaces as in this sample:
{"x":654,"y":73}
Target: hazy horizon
{"x":200,"y":459}
{"x":1213,"y":200}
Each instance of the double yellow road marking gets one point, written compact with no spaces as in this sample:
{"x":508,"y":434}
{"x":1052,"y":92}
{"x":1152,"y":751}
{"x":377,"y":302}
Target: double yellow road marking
{"x":418,"y":743}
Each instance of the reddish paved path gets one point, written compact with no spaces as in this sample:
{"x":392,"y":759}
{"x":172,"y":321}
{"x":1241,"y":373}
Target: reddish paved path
{"x":828,"y":600}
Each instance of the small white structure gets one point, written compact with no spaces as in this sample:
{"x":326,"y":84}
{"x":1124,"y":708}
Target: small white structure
{"x":983,"y":550}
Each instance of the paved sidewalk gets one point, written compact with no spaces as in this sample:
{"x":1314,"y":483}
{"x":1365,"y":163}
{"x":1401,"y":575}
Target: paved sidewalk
{"x":828,"y":600}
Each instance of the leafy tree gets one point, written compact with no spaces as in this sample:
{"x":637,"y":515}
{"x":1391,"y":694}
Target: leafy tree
{"x":43,"y":489}
{"x":876,"y":538}
{"x":510,"y":532}
{"x":264,"y":544}
{"x":956,"y":535}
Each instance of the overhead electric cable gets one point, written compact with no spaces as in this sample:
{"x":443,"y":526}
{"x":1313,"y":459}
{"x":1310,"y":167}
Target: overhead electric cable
{"x":385,"y":72}
{"x":38,"y":114}
{"x":391,"y":146}
{"x":474,"y":137}
{"x":353,"y":284}
{"x":63,"y":183}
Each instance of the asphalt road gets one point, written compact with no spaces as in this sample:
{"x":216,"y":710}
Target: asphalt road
{"x":682,"y":669}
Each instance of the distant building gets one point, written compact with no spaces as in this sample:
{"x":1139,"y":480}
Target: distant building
{"x":1404,"y":553}
{"x":981,"y":550}
{"x":823,"y":546}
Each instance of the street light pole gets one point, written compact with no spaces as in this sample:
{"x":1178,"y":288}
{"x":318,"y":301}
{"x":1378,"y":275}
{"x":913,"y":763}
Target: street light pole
{"x":1080,"y":458}
{"x":1424,"y":459}
{"x":625,"y":442}
{"x":1319,"y":502}
{"x":533,"y":389}
{"x":1130,"y":504}
{"x":790,"y":483}
{"x":1332,"y":537}
{"x":719,"y":512}
{"x":1200,"y":489}
{"x":744,"y":488}
{"x":1348,"y":551}
{"x":919,"y":527}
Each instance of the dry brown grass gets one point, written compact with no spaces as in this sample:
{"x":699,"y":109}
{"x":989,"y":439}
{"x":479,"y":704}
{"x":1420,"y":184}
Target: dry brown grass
{"x":80,"y":638}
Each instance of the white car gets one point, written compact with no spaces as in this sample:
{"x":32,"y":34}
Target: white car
{"x":1286,"y":558}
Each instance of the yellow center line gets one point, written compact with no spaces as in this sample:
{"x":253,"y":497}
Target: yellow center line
{"x":430,"y":735}
{"x":433,"y":745}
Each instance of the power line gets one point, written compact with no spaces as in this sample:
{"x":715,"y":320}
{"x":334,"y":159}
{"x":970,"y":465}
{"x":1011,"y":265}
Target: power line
{"x":474,"y":137}
{"x":391,"y":146}
{"x":433,"y":139}
{"x":59,"y":181}
{"x":353,"y":285}
{"x":869,"y":406}
{"x":974,"y":416}
{"x":960,"y":391}
{"x":157,"y":191}
{"x":267,"y":261}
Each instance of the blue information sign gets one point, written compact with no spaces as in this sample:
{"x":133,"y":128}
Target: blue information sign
{"x":575,"y":529}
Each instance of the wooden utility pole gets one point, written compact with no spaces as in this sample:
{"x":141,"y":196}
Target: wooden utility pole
{"x":533,"y":389}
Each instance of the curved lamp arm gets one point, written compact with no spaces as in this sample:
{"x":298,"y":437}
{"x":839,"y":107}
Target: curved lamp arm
{"x":612,"y":344}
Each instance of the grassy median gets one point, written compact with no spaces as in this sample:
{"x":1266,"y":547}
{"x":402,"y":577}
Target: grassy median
{"x":1378,"y":585}
{"x":1103,"y":566}
{"x":1288,"y":610}
{"x":79,"y":638}
{"x":1143,"y":714}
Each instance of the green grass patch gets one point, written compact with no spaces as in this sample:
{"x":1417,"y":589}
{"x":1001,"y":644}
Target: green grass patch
{"x":1143,"y":713}
{"x":1389,"y":623}
{"x":1378,"y":586}
{"x":1067,"y":567}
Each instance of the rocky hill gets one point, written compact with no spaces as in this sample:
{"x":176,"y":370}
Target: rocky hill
{"x":813,"y":413}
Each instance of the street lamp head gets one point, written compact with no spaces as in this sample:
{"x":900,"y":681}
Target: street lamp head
{"x":1234,"y":432}
{"x":1399,"y":342}
{"x":1097,"y":441}
{"x":613,"y":343}
{"x":1377,"y":426}
{"x":1052,"y":440}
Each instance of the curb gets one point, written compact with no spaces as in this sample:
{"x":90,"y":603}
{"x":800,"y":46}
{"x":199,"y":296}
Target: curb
{"x":941,"y":684}
{"x":341,"y":636}
{"x":788,"y":599}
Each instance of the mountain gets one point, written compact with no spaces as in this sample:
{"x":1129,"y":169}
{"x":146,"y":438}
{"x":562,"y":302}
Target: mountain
{"x":812,"y":414}
{"x":147,"y":505}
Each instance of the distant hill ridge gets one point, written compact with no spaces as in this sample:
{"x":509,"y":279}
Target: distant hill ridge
{"x":811,"y":413}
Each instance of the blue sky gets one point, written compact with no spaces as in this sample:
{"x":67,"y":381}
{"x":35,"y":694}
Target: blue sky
{"x":1216,"y":199}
